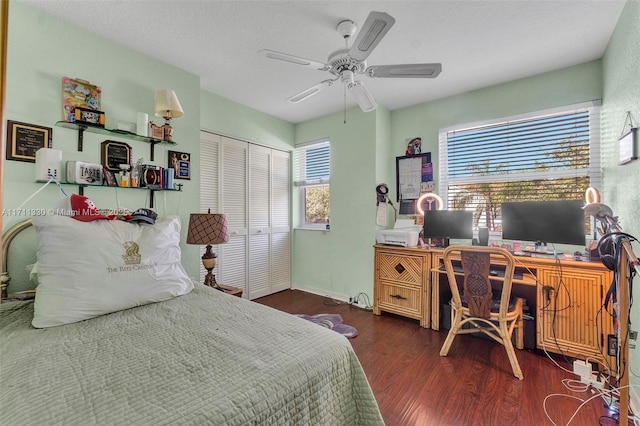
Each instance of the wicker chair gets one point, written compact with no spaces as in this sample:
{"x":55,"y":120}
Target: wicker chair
{"x":497,"y":316}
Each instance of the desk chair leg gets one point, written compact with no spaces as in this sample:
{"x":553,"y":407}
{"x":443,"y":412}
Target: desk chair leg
{"x":456,"y":317}
{"x":511,"y":353}
{"x":519,"y":326}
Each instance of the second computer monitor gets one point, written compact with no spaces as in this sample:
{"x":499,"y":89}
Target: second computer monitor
{"x":560,"y":222}
{"x":448,"y":224}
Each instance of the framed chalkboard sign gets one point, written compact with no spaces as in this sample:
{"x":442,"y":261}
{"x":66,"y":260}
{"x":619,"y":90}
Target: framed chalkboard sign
{"x":113,"y":153}
{"x":24,"y":139}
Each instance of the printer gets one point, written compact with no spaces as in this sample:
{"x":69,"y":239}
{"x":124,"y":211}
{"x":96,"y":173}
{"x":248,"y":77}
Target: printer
{"x":404,"y":233}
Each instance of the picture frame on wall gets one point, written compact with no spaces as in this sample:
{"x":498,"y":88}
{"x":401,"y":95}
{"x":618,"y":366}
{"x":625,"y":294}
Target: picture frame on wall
{"x":24,"y":139}
{"x":113,"y":154}
{"x":180,"y":162}
{"x":628,"y":147}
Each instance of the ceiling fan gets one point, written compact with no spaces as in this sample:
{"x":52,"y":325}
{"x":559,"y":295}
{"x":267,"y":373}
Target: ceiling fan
{"x":348,"y":63}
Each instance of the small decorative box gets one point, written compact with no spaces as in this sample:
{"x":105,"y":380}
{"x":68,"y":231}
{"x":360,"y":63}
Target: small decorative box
{"x":89,"y":116}
{"x":84,"y":173}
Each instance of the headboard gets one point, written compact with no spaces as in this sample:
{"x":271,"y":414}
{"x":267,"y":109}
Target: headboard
{"x":7,"y":238}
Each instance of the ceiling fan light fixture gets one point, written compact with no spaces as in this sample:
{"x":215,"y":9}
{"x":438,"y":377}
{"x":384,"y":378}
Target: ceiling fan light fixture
{"x":362,"y":96}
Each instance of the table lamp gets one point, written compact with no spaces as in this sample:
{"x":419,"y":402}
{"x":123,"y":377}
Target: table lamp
{"x":167,"y":106}
{"x":208,"y":229}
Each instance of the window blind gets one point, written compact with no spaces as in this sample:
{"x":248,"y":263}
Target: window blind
{"x":549,"y":155}
{"x":312,"y":164}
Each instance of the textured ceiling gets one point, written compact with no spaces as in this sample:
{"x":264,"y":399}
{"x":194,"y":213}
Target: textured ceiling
{"x":479,"y":43}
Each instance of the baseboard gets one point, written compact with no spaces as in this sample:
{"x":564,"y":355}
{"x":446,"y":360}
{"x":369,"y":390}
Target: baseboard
{"x":340,"y":297}
{"x":335,"y":296}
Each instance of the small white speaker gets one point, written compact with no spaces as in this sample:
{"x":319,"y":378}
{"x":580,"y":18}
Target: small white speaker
{"x":48,"y":164}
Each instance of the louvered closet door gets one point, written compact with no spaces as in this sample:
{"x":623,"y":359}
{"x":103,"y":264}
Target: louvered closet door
{"x":259,"y":223}
{"x":280,"y":221}
{"x":233,"y":202}
{"x":209,"y":185}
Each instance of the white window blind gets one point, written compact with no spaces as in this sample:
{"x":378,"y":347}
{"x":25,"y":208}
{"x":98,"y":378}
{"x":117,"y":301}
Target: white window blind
{"x":548,"y":155}
{"x":312,"y":163}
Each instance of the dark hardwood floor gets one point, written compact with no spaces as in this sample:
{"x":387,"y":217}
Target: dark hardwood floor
{"x":473,"y":385}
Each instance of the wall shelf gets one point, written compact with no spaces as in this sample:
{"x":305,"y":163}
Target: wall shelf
{"x":81,"y":128}
{"x":152,"y":191}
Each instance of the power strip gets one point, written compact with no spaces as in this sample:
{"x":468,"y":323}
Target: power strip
{"x":596,"y":380}
{"x":587,"y":376}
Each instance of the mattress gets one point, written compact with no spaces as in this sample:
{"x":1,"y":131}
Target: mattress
{"x":205,"y":358}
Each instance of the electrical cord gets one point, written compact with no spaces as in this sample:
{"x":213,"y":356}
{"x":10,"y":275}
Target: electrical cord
{"x":51,"y":179}
{"x":356,"y":300}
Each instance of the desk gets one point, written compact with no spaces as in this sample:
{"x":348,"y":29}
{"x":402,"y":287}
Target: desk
{"x":564,"y":295}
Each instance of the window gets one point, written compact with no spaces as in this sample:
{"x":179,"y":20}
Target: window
{"x":312,"y":163}
{"x":544,"y":156}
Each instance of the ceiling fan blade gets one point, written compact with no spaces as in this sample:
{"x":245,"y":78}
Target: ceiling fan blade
{"x":404,"y":71}
{"x":362,"y":95}
{"x":272,"y":54}
{"x":301,"y":96}
{"x":373,"y":30}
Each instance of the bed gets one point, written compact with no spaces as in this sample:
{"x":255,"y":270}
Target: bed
{"x":199,"y":358}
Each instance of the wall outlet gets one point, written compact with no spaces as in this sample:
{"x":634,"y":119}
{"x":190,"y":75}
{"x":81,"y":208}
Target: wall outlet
{"x":612,"y":345}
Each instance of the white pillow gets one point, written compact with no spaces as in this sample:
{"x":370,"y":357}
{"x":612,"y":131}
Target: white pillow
{"x":87,"y":269}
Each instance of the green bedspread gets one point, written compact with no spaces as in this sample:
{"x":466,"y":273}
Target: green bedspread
{"x":205,"y":358}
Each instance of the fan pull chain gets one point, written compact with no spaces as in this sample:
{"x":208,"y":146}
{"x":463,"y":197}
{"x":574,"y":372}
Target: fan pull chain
{"x":345,"y":103}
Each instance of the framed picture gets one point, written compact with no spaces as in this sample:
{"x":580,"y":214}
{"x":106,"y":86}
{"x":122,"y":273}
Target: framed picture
{"x":628,"y":147}
{"x":414,"y":146}
{"x":109,"y":177}
{"x":113,"y":153}
{"x":78,"y":93}
{"x":24,"y":139}
{"x":180,"y":162}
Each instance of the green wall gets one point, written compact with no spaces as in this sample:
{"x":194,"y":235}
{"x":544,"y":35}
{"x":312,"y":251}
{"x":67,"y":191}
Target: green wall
{"x":621,"y":76}
{"x":222,"y":116}
{"x":339,"y":262}
{"x":621,"y":69}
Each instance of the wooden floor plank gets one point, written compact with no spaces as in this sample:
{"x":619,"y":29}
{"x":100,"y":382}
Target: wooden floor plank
{"x":473,"y":385}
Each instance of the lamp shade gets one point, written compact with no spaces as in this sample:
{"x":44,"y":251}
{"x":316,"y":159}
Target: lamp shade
{"x":167,"y":104}
{"x":207,"y":229}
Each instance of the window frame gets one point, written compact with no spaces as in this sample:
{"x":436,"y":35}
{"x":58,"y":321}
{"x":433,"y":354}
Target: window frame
{"x":302,"y":183}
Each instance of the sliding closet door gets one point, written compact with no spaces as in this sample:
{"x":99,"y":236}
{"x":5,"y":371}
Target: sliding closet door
{"x":280,"y":221}
{"x":233,"y":202}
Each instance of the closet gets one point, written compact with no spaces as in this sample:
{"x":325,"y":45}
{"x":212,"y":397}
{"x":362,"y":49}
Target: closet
{"x":252,"y":185}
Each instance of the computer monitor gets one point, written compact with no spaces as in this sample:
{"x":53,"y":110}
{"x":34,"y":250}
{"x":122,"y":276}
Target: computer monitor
{"x":561,"y":222}
{"x":446,"y":224}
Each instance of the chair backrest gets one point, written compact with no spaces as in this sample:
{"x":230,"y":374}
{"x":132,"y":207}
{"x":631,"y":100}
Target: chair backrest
{"x":476,"y":262}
